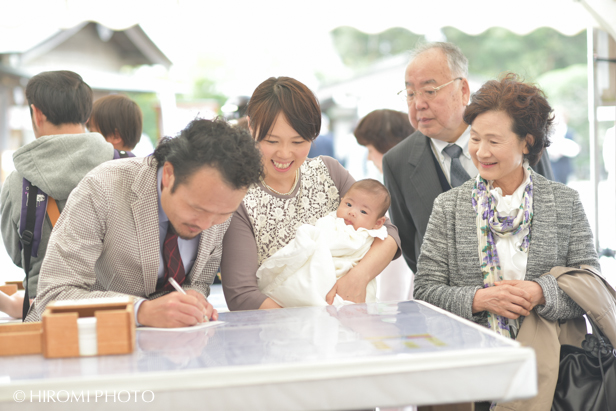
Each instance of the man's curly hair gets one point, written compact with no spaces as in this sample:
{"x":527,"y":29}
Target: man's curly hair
{"x":214,"y":143}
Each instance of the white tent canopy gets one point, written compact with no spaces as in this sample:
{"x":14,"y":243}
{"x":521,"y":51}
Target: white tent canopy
{"x":278,"y":37}
{"x":213,"y":18}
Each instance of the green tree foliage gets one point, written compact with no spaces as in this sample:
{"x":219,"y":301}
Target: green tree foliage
{"x":490,"y":53}
{"x":358,"y":49}
{"x":498,"y":50}
{"x":205,"y":88}
{"x":149,"y":105}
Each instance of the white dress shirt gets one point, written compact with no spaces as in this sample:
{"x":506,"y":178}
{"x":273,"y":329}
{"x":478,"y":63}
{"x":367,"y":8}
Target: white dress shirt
{"x":465,"y":157}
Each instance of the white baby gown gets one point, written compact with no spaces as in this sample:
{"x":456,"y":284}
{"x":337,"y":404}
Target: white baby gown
{"x":306,"y":269}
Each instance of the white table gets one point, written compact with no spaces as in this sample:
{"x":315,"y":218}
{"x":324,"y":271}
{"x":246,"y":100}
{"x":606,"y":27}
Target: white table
{"x":320,"y":358}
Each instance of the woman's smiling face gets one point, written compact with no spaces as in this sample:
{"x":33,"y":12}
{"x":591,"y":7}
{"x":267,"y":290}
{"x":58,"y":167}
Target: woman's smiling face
{"x":284,"y":151}
{"x":498,"y":153}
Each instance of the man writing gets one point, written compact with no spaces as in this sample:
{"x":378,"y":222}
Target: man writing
{"x":133,"y":224}
{"x":435,"y":158}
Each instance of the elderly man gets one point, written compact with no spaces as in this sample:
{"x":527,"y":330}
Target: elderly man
{"x":435,"y":158}
{"x":132,"y":225}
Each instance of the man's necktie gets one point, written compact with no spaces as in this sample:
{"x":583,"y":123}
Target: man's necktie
{"x":174,"y":268}
{"x":458,"y":174}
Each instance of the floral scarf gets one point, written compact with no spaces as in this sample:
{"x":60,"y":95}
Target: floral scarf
{"x":490,"y":224}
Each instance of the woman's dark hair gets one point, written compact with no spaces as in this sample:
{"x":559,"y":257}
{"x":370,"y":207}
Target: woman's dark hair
{"x":383,"y":129}
{"x":62,"y":96}
{"x":527,"y":106}
{"x":117,"y":113}
{"x":213,"y":143}
{"x":287,"y":96}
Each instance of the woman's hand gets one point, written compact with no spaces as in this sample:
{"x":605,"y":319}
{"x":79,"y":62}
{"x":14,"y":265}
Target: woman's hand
{"x":532,"y":288}
{"x":351,"y":287}
{"x":505,"y":300}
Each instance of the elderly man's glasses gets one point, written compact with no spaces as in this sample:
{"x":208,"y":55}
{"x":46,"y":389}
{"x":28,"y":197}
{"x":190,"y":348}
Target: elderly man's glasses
{"x":429,"y":93}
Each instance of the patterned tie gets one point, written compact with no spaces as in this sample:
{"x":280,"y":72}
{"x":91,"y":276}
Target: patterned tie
{"x":458,"y":174}
{"x":174,"y":267}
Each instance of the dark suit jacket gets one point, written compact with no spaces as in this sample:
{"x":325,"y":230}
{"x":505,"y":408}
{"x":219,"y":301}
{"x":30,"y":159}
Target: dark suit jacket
{"x":411,"y":177}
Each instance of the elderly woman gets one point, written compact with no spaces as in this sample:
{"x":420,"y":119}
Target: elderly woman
{"x":490,"y":240}
{"x":284,"y":117}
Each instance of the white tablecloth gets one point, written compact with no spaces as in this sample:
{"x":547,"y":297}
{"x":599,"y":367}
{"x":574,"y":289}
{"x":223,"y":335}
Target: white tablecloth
{"x":311,"y":358}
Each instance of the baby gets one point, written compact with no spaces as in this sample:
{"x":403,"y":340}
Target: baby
{"x":306,"y":269}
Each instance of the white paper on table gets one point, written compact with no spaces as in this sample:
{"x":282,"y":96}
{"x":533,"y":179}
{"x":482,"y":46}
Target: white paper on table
{"x":191,"y":328}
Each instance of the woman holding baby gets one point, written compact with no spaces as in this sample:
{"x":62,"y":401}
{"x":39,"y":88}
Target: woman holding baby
{"x":284,"y":118}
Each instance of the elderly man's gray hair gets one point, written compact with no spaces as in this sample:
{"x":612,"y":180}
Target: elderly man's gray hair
{"x":458,"y":63}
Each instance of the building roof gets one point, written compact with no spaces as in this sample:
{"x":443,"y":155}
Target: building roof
{"x":27,"y":44}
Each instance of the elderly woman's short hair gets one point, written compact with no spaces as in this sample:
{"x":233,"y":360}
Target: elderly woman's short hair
{"x":383,"y":129}
{"x":525,"y":103}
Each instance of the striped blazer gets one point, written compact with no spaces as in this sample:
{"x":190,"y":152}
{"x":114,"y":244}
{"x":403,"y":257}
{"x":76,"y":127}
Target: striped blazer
{"x":106,"y":241}
{"x":448,"y":270}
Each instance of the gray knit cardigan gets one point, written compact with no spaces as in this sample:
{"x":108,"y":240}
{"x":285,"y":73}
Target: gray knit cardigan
{"x":448,"y":269}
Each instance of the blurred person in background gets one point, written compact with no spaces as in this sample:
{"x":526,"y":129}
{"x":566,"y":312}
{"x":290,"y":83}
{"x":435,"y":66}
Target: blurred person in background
{"x":609,"y":153}
{"x":235,"y":108}
{"x":241,"y":123}
{"x":119,"y":120}
{"x":379,"y":131}
{"x":323,"y":145}
{"x":51,"y":166}
{"x":562,"y":149}
{"x":285,"y":117}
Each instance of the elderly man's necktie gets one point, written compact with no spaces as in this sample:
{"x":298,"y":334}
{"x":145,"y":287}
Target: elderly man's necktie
{"x":458,"y":174}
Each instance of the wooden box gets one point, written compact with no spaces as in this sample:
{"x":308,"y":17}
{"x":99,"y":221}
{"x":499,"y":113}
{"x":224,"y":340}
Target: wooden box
{"x":21,"y":338}
{"x":19,"y":284}
{"x":9,"y":289}
{"x":115,"y":326}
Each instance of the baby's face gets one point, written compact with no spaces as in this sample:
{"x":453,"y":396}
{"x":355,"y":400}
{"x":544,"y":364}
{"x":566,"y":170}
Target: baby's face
{"x":360,"y":209}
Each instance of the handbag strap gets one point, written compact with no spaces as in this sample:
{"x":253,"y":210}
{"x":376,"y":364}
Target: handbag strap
{"x":603,"y":344}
